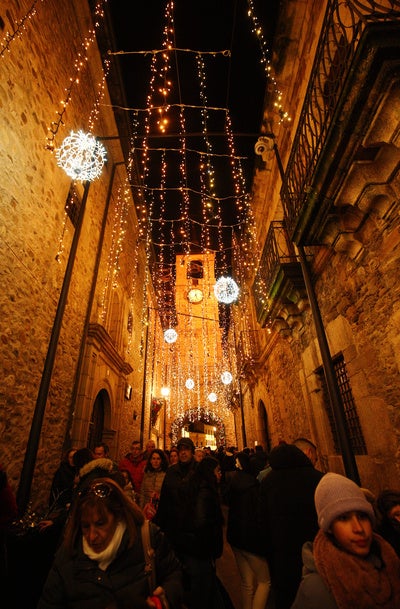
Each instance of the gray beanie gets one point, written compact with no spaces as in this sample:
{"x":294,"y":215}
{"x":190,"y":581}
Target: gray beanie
{"x":336,"y":495}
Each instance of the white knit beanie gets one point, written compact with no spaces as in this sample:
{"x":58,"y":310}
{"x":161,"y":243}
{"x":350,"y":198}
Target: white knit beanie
{"x":335,"y":495}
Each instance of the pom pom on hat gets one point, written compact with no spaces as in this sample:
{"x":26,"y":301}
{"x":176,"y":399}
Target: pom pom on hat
{"x":336,"y":495}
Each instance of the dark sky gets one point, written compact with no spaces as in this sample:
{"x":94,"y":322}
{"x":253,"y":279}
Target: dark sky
{"x":236,"y":82}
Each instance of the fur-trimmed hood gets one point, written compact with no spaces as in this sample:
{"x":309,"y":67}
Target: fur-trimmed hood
{"x":103,"y":466}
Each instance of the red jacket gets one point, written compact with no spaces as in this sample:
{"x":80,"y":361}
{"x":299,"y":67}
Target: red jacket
{"x":135,"y":468}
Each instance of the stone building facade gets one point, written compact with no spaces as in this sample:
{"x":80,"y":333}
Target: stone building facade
{"x":336,"y":199}
{"x":96,"y":378}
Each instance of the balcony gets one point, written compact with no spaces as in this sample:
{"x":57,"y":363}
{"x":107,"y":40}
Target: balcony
{"x":347,"y":122}
{"x":278,"y":288}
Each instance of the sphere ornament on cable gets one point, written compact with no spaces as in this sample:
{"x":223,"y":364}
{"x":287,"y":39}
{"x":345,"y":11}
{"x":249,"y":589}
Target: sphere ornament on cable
{"x":226,"y":290}
{"x":189,"y":384}
{"x":81,"y":156}
{"x":170,"y":335}
{"x":226,"y":377}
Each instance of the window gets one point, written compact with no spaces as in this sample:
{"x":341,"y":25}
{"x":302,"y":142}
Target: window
{"x":195,"y":269}
{"x":356,"y":437}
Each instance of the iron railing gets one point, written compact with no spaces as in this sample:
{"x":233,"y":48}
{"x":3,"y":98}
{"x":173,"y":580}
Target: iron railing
{"x":344,"y":23}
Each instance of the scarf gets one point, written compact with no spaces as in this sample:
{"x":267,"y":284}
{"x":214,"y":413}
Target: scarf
{"x":106,"y":557}
{"x":357,"y":582}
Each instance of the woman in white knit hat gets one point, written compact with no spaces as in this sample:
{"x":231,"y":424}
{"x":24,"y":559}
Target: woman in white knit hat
{"x":348,"y":566}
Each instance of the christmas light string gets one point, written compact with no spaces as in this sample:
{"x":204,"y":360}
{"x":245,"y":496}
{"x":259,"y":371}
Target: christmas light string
{"x":19,"y":28}
{"x":265,"y":52}
{"x":80,"y":63}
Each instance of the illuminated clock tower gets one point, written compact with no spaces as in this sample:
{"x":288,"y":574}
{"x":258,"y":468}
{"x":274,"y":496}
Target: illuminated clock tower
{"x":200,"y":347}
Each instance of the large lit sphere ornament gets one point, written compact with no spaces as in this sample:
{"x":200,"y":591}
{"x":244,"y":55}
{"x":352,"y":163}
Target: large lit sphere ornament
{"x":212,"y":397}
{"x":170,"y":335}
{"x":226,"y":290}
{"x":81,"y":156}
{"x":226,"y":378}
{"x":189,"y":384}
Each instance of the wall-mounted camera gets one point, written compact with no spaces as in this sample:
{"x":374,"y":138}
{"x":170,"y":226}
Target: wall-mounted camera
{"x":263,"y":147}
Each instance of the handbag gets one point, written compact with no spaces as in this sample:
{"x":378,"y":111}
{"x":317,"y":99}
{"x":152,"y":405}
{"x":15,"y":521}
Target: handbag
{"x":160,"y":600}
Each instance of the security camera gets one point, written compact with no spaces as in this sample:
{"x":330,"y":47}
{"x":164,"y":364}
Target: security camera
{"x":263,"y":146}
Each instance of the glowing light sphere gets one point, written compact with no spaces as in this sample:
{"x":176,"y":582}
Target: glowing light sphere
{"x":226,"y":290}
{"x":81,"y":156}
{"x":189,"y":384}
{"x":212,"y":397}
{"x":226,"y":378}
{"x":170,"y":335}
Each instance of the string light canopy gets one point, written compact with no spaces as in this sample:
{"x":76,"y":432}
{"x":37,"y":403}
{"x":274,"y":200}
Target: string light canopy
{"x":226,"y":290}
{"x":193,"y":193}
{"x":81,"y":156}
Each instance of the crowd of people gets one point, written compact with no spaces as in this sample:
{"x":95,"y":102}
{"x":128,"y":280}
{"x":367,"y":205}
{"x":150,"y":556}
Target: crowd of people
{"x":146,"y":531}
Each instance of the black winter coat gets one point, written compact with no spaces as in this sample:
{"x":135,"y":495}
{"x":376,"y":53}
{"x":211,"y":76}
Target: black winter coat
{"x":76,"y":582}
{"x":287,"y":517}
{"x":189,"y":513}
{"x":241,"y":495}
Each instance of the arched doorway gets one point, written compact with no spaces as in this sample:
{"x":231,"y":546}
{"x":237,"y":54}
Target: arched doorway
{"x":96,"y":425}
{"x":197,"y":415}
{"x":263,"y":418}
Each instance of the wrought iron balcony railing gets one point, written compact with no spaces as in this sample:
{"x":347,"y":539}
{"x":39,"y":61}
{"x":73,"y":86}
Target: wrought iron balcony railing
{"x":342,"y":33}
{"x":279,"y":274}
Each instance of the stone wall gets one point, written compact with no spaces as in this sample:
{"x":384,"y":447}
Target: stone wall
{"x":35,"y":238}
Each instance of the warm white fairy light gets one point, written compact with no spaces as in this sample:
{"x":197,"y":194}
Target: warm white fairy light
{"x":81,"y":156}
{"x":212,"y":397}
{"x":18,"y":28}
{"x":257,"y":31}
{"x":226,"y":290}
{"x":170,"y":335}
{"x":226,"y":377}
{"x":80,"y":63}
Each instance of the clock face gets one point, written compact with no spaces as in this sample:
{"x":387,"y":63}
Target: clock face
{"x":195,"y":295}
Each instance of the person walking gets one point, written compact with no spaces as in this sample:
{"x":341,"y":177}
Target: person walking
{"x":388,"y":511}
{"x":189,"y":513}
{"x":154,"y":474}
{"x":287,"y":517}
{"x":243,"y":533}
{"x":347,"y":565}
{"x":101,"y":562}
{"x":135,"y":463}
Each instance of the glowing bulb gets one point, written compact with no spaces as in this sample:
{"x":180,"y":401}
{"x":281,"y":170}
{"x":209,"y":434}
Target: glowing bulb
{"x":170,"y":335}
{"x":226,"y":377}
{"x":189,"y":384}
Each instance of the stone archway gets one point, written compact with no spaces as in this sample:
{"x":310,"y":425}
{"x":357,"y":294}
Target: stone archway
{"x":198,"y":414}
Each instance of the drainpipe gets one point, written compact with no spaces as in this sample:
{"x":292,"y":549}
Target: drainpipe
{"x":24,"y":489}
